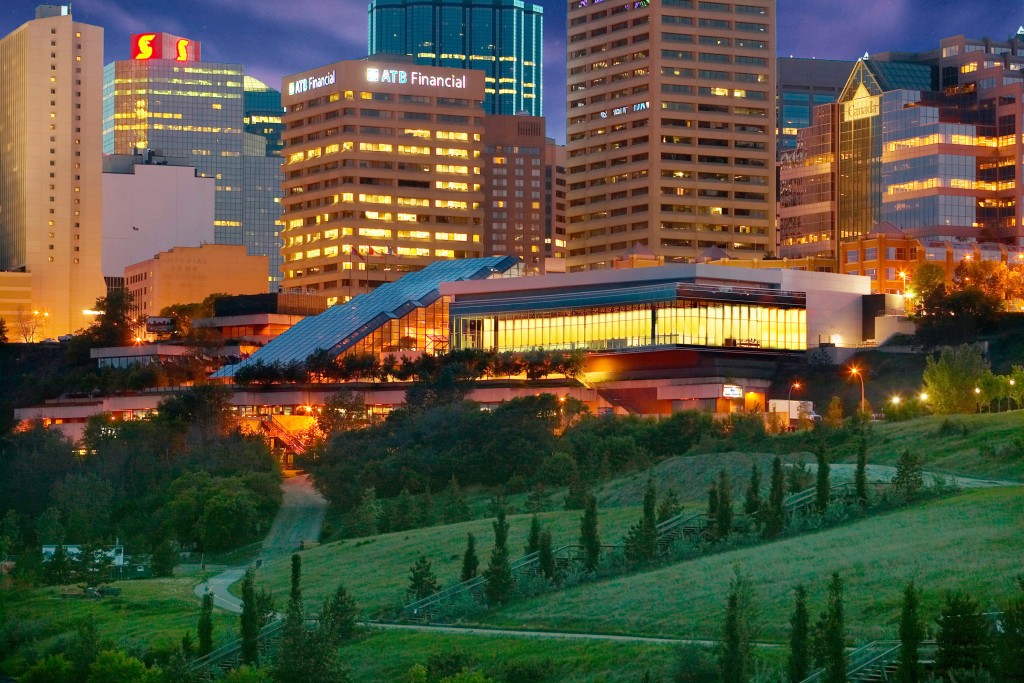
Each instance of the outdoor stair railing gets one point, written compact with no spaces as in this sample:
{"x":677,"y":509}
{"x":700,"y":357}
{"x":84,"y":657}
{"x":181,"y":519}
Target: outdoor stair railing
{"x":277,"y":429}
{"x":687,"y":523}
{"x":872,"y":662}
{"x":229,"y":656}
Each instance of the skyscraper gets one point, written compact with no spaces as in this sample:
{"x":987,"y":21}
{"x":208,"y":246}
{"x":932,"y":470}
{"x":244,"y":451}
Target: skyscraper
{"x":671,"y":131}
{"x":382,"y":173}
{"x":167,"y":99}
{"x":502,"y":38}
{"x":51,"y":71}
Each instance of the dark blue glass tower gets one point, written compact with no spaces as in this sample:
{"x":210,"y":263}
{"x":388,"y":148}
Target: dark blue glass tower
{"x":503,"y":38}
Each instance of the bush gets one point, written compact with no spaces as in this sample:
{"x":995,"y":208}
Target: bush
{"x":527,"y":671}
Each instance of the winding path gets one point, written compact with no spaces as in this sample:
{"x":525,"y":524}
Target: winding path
{"x":300,"y":518}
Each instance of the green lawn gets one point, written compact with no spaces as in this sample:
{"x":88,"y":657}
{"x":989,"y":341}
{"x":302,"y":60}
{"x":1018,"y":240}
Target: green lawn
{"x":971,"y":541}
{"x":375,"y":570}
{"x":386,"y":655}
{"x":153,"y":613}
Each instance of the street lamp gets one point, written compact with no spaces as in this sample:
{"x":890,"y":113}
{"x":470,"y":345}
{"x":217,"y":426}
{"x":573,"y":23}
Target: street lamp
{"x":855,"y":371}
{"x":977,"y":397}
{"x":794,"y":385}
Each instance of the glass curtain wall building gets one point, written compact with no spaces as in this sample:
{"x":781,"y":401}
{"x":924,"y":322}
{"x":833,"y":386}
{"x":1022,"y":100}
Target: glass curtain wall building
{"x":502,"y":38}
{"x":166,"y":99}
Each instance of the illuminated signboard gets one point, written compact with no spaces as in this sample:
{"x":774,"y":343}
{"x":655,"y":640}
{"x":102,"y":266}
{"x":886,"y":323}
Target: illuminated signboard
{"x":378,"y":75}
{"x":862,"y":106}
{"x":732,"y":391}
{"x":312,"y":83}
{"x":146,"y":46}
{"x":639,"y":106}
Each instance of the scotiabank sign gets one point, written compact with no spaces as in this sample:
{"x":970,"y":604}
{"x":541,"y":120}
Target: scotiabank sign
{"x":146,"y":46}
{"x":399,"y":76}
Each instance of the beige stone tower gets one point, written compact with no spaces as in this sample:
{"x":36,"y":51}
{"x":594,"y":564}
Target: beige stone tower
{"x":51,"y":97}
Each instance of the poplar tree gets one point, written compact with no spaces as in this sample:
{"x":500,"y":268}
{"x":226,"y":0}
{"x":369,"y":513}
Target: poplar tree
{"x":823,"y":490}
{"x":735,"y":656}
{"x":500,"y":580}
{"x":250,"y":627}
{"x":723,"y":521}
{"x":533,"y":538}
{"x":470,"y":562}
{"x":546,"y":558}
{"x":775,"y":519}
{"x":860,"y":477}
{"x":752,"y":500}
{"x":911,"y":635}
{"x":589,"y":538}
{"x":835,"y":634}
{"x":799,"y":637}
{"x":206,"y":625}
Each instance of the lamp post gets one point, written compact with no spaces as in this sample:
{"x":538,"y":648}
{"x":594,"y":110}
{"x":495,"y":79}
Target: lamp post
{"x":857,"y":373}
{"x":977,"y":397}
{"x":794,"y":385}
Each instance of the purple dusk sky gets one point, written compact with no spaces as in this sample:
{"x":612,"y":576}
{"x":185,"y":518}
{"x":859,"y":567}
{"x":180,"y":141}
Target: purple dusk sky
{"x":272,"y":38}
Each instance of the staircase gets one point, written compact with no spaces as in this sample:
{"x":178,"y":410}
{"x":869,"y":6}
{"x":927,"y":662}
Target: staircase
{"x":274,"y":429}
{"x":801,"y":500}
{"x":877,"y":662}
{"x":229,"y":656}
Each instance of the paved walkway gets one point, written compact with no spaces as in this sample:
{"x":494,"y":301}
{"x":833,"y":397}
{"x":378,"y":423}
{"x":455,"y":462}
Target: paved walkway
{"x":300,"y":518}
{"x":880,"y":473}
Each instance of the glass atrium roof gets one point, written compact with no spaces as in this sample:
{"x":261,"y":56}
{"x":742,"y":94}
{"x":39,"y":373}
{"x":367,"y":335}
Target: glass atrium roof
{"x":342,"y":325}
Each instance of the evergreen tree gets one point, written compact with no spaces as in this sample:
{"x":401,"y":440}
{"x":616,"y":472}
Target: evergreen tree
{"x":798,"y":477}
{"x":165,"y":557}
{"x":1010,"y":641}
{"x":295,"y":594}
{"x":58,"y":571}
{"x":500,"y":580}
{"x":723,"y":520}
{"x":206,"y":625}
{"x":962,"y":640}
{"x":735,"y":657}
{"x":422,"y":581}
{"x":470,"y":562}
{"x":860,"y":478}
{"x":799,"y":637}
{"x":426,"y":516}
{"x":712,"y":501}
{"x":366,"y":517}
{"x":908,"y":480}
{"x":835,"y":634}
{"x":823,"y":489}
{"x":911,"y":635}
{"x":338,"y":617}
{"x":455,"y":509}
{"x":533,"y":538}
{"x":642,"y":538}
{"x":250,"y":628}
{"x":775,"y":517}
{"x":292,"y":655}
{"x":752,"y":499}
{"x":576,"y":497}
{"x":403,"y":513}
{"x":546,"y":558}
{"x":589,"y":538}
{"x":669,"y":506}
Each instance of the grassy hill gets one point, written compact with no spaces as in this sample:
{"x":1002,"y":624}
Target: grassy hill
{"x":375,"y":570}
{"x":152,"y":613}
{"x":971,"y":541}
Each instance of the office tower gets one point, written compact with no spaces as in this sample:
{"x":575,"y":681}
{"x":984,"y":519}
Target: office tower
{"x":515,"y":203}
{"x":51,"y":71}
{"x":802,"y":85}
{"x":502,"y":38}
{"x":167,"y":99}
{"x":927,"y":144}
{"x":554,"y":222}
{"x":670,"y":136}
{"x":382,"y":173}
{"x":152,"y":203}
{"x":263,"y":114}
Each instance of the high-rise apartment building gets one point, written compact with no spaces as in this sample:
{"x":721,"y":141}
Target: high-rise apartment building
{"x":167,"y":99}
{"x":502,"y":38}
{"x":554,"y":189}
{"x":515,"y":203}
{"x":51,"y":72}
{"x":928,"y":143}
{"x":383,"y":172}
{"x":671,"y":133}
